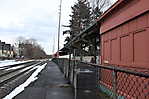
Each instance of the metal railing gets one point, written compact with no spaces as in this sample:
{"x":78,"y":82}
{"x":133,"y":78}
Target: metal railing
{"x":117,"y":82}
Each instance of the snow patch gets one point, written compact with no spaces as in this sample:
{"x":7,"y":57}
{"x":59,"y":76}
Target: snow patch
{"x":10,"y":62}
{"x":31,"y":79}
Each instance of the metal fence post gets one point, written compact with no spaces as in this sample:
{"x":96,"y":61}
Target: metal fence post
{"x":74,"y":64}
{"x":97,"y":76}
{"x":114,"y":81}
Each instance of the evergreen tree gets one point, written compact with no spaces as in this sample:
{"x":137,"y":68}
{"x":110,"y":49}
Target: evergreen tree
{"x":80,"y":18}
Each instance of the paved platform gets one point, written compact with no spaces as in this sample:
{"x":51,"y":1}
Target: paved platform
{"x":51,"y":84}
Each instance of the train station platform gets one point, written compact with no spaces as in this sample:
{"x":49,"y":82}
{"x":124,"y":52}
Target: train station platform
{"x":51,"y":84}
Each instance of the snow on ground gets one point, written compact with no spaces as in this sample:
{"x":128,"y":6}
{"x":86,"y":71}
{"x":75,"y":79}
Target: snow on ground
{"x":31,"y":79}
{"x":20,"y":66}
{"x":10,"y":62}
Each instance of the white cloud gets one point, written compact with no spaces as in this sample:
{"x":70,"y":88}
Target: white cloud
{"x":29,"y":18}
{"x":33,"y":19}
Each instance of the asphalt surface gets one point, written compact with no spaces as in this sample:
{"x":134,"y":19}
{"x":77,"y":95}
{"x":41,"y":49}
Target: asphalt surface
{"x":51,"y":84}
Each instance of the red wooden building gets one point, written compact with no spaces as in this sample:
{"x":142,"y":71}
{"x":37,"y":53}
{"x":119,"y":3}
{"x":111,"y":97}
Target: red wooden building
{"x":125,"y":42}
{"x":125,"y":34}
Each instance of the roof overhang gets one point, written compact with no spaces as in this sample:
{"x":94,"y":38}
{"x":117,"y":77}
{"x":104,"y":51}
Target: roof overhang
{"x":83,"y":37}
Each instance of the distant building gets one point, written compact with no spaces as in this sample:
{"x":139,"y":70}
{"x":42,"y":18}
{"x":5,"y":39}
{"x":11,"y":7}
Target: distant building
{"x":6,"y":51}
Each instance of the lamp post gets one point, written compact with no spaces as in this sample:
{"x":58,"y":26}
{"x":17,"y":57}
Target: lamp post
{"x":59,"y":27}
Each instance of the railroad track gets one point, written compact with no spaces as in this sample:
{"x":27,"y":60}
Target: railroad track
{"x":12,"y":74}
{"x":14,"y":65}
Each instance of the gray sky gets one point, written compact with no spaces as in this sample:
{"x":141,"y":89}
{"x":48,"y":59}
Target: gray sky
{"x":33,"y":19}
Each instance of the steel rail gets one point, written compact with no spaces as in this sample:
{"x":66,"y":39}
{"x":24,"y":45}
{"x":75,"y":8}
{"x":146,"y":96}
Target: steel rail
{"x":8,"y":77}
{"x":17,"y":64}
{"x":5,"y":71}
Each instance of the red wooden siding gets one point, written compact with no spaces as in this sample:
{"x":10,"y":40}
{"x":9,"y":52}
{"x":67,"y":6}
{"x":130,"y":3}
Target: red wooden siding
{"x":128,"y":43}
{"x":124,"y":12}
{"x":125,"y":42}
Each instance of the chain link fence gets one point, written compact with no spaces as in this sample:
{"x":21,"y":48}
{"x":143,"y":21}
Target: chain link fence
{"x":117,"y":82}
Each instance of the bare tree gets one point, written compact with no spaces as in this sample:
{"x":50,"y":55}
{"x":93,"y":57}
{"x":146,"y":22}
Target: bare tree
{"x":29,"y":48}
{"x":98,"y":6}
{"x":102,"y":4}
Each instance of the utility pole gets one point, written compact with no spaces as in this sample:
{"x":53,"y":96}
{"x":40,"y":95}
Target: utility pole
{"x":59,"y":27}
{"x":53,"y":45}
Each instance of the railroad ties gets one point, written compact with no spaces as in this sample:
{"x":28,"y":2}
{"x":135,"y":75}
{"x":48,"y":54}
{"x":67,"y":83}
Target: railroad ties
{"x":14,"y":75}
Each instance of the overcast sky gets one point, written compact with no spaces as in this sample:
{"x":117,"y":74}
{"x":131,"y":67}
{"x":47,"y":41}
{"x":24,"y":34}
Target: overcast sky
{"x":36,"y":19}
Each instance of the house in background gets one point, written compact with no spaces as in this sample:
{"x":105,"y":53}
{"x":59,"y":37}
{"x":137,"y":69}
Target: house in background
{"x":6,"y":51}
